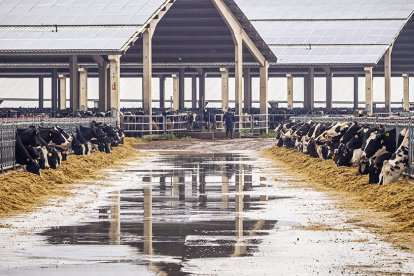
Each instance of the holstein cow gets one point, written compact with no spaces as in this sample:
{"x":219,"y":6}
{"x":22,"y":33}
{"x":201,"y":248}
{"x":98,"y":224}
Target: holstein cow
{"x":35,"y":145}
{"x":393,"y":168}
{"x":23,"y":158}
{"x":96,"y":136}
{"x":379,"y":147}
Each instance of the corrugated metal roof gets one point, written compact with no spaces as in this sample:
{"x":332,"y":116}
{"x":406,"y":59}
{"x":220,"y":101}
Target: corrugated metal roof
{"x":328,"y":32}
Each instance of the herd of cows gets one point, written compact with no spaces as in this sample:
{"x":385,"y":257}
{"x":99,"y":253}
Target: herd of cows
{"x":381,"y":153}
{"x":39,"y":148}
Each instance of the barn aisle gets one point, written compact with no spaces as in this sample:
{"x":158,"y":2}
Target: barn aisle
{"x":210,"y":208}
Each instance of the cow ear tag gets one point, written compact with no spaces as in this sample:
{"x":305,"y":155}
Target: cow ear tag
{"x":49,"y":154}
{"x":356,"y":136}
{"x":387,"y":134}
{"x":50,"y":134}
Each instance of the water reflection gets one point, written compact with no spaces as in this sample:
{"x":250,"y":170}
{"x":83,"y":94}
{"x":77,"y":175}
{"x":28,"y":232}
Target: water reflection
{"x":186,"y":206}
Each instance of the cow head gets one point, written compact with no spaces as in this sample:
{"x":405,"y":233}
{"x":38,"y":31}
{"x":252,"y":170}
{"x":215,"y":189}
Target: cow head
{"x":58,"y":138}
{"x":33,"y":167}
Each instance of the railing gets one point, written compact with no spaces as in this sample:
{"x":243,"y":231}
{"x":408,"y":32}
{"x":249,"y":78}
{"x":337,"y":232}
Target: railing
{"x":245,"y":123}
{"x":140,"y":125}
{"x":8,"y":127}
{"x":391,"y":122}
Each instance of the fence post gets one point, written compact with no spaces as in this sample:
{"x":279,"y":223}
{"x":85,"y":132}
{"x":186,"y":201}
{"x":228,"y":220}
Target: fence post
{"x":252,"y":123}
{"x":164,"y":124}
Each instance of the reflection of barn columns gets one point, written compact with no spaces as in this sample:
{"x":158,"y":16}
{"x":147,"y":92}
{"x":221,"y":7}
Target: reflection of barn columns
{"x":309,"y":89}
{"x":74,"y":84}
{"x":328,"y":89}
{"x":225,"y":192}
{"x":115,"y":80}
{"x":54,"y":89}
{"x":115,"y":223}
{"x":162,"y":91}
{"x":356,"y":92}
{"x":387,"y":78}
{"x":238,"y":247}
{"x":194,"y":92}
{"x":406,"y":89}
{"x":224,"y":89}
{"x":369,"y":90}
{"x":247,"y":91}
{"x":148,"y":220}
{"x":62,"y":91}
{"x":181,"y":89}
{"x":41,"y":93}
{"x":83,"y":89}
{"x":264,"y":95}
{"x":289,"y":91}
{"x":176,"y":92}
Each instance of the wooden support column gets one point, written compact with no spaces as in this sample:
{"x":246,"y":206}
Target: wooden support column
{"x":181,"y":90}
{"x":224,"y":89}
{"x":176,"y":92}
{"x":194,"y":92}
{"x":289,"y":91}
{"x":162,"y":91}
{"x":108,"y":88}
{"x":369,"y":91}
{"x":74,"y":84}
{"x":83,"y":89}
{"x":309,"y":96}
{"x":62,"y":92}
{"x":54,"y":92}
{"x":328,"y":89}
{"x":41,"y":92}
{"x":147,"y":72}
{"x":247,"y":91}
{"x":202,"y":91}
{"x":238,"y":72}
{"x":103,"y":83}
{"x":387,"y":79}
{"x":115,"y":80}
{"x":406,"y":88}
{"x":264,"y":95}
{"x":356,"y":92}
{"x":103,"y":87}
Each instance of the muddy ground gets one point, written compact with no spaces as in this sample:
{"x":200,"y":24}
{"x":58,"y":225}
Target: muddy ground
{"x":192,"y":207}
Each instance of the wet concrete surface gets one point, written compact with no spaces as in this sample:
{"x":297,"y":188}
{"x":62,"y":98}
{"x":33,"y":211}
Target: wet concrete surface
{"x":184,"y":213}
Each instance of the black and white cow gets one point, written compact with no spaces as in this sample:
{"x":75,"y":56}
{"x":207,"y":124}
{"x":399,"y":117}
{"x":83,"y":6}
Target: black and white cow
{"x":24,"y":158}
{"x":393,"y":168}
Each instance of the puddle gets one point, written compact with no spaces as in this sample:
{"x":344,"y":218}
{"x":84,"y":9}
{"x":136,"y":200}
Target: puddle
{"x":187,"y":206}
{"x":180,"y":213}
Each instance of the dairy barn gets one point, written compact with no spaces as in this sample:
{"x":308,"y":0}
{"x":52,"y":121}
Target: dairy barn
{"x":206,"y":137}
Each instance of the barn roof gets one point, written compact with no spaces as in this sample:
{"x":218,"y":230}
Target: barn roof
{"x":328,"y":32}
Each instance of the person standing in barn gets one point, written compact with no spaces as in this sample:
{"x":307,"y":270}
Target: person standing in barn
{"x":228,"y":119}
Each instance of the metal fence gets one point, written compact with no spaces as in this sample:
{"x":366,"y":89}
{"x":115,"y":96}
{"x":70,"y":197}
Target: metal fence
{"x":140,"y":125}
{"x":8,"y":127}
{"x":399,"y":123}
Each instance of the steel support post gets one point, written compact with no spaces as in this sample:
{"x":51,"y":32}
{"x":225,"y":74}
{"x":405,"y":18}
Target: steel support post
{"x":83,"y":89}
{"x":247,"y":91}
{"x":369,"y":91}
{"x":289,"y":91}
{"x":406,"y":94}
{"x":62,"y":92}
{"x":224,"y":89}
{"x":264,"y":95}
{"x":74,"y":84}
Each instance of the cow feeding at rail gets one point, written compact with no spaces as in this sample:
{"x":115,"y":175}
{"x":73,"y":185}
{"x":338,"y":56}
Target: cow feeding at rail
{"x":378,"y":152}
{"x":39,"y":148}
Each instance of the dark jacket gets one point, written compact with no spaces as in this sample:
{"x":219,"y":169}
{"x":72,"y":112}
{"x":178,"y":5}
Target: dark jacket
{"x":229,"y":120}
